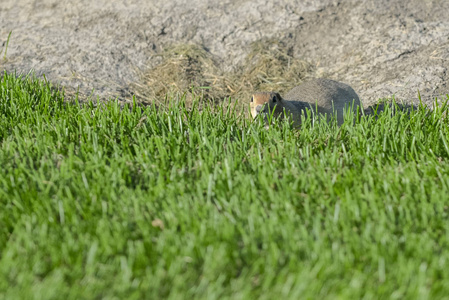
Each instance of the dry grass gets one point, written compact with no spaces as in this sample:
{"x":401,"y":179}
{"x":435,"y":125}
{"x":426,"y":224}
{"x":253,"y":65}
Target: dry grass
{"x":192,"y":71}
{"x":185,"y":69}
{"x":270,"y":66}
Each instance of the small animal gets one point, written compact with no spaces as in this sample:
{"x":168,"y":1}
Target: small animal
{"x":322,"y":96}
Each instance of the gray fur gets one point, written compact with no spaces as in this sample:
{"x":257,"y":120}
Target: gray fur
{"x":324,"y":96}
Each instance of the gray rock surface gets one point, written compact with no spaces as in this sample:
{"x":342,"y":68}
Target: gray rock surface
{"x":379,"y":47}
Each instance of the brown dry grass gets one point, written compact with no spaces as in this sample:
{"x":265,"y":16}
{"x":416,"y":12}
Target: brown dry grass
{"x":192,"y":71}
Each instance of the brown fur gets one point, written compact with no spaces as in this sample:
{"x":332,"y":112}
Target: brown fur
{"x":323,"y":96}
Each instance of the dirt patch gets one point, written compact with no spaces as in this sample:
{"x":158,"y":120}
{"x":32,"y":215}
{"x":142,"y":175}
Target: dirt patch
{"x":107,"y":48}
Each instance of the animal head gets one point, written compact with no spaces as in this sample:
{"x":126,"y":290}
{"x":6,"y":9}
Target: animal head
{"x":265,"y":103}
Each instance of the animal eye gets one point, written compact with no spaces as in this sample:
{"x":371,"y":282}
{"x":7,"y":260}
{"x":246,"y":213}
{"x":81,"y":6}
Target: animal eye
{"x":275,"y":98}
{"x":252,"y":99}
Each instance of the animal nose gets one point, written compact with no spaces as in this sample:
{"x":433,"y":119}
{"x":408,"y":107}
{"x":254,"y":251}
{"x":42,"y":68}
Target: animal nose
{"x":259,"y":108}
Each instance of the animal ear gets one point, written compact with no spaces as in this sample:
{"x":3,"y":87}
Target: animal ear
{"x":278,"y":97}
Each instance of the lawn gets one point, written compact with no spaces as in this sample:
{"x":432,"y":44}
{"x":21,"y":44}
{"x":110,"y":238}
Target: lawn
{"x":99,"y":201}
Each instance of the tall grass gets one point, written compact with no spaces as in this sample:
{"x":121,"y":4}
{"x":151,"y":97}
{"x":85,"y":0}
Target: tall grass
{"x":100,"y":201}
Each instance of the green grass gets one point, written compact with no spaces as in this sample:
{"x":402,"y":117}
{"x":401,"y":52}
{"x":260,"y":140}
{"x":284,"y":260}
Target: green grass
{"x":99,"y":202}
{"x":6,"y":46}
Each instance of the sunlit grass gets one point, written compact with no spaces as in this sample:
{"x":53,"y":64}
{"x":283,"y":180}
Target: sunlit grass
{"x":100,"y":201}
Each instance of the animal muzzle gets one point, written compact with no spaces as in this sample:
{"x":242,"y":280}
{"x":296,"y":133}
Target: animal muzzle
{"x":262,"y":110}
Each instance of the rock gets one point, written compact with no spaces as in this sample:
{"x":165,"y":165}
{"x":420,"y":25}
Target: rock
{"x":380,"y":47}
